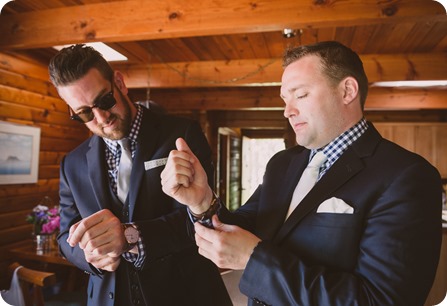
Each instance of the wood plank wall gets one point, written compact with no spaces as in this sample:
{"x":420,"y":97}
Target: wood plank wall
{"x":27,"y":97}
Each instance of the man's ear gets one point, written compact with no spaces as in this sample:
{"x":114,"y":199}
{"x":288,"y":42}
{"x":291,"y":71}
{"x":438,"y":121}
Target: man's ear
{"x":119,"y":82}
{"x":350,"y":89}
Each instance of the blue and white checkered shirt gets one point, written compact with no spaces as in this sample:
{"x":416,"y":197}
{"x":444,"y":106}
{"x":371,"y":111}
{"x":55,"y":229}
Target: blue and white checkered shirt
{"x":335,"y":148}
{"x":113,"y":156}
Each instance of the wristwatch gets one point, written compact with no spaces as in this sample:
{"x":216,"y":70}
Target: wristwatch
{"x":132,"y":235}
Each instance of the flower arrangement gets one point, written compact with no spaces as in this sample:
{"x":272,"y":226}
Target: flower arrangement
{"x":45,"y":220}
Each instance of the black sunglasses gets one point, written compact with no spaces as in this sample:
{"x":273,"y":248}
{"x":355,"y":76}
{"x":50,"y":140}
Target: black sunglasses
{"x":106,"y":102}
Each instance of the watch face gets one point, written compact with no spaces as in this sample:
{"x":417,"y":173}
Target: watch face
{"x":132,"y":234}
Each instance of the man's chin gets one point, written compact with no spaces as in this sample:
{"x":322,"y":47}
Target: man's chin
{"x":112,"y":134}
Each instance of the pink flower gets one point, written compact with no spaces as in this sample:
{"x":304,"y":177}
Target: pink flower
{"x":45,"y":221}
{"x":51,"y":226}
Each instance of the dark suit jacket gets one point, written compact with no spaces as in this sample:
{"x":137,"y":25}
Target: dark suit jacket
{"x":173,"y":270}
{"x":385,"y":253}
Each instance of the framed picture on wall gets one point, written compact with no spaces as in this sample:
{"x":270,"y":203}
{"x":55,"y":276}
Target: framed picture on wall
{"x":19,"y":153}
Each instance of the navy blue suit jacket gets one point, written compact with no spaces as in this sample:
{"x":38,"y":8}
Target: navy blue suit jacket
{"x":384,"y":254}
{"x":173,"y":270}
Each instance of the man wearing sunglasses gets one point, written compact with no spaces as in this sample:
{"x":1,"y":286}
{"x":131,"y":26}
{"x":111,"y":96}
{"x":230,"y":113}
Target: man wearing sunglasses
{"x":136,"y":243}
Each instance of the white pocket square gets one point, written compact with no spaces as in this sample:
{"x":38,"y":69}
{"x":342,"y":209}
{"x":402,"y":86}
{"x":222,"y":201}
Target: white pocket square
{"x":335,"y":206}
{"x":150,"y":164}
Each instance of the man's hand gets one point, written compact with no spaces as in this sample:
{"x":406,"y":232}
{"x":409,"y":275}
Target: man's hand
{"x":106,"y":262}
{"x":185,"y":180}
{"x":228,"y":246}
{"x":101,"y":238}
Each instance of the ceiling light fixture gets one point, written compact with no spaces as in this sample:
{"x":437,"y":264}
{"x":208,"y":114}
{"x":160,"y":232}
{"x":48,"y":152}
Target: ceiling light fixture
{"x":429,"y":83}
{"x":289,"y":33}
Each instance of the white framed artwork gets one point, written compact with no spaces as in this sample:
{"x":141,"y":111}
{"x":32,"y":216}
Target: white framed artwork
{"x":19,"y":153}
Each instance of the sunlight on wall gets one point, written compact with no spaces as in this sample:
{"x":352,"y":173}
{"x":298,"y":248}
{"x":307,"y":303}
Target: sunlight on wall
{"x":443,"y":303}
{"x":255,"y":155}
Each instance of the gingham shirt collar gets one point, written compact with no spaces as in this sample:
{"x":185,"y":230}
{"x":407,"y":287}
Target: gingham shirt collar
{"x":339,"y":145}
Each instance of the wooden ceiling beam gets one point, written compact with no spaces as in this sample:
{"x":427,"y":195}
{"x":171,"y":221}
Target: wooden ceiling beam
{"x":248,"y":119}
{"x":267,"y":98}
{"x":275,"y":119}
{"x":267,"y":72}
{"x":147,"y":20}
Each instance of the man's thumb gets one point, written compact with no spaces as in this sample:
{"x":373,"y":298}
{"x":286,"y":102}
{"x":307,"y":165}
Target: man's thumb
{"x":217,"y":224}
{"x":181,"y":145}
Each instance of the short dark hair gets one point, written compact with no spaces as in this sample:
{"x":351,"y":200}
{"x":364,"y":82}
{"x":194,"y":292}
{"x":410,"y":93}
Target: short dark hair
{"x":338,"y":62}
{"x":72,"y":63}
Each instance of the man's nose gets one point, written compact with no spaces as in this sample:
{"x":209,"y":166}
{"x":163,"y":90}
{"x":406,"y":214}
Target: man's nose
{"x":289,"y":110}
{"x":101,"y":116}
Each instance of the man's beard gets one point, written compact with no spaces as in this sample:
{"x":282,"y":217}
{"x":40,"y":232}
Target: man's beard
{"x":124,"y":123}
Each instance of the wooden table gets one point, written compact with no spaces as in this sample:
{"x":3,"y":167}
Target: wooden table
{"x":28,"y":252}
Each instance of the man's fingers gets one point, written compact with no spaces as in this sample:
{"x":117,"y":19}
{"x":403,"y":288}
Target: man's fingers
{"x":179,"y":171}
{"x":171,"y":179}
{"x":78,"y":230}
{"x":206,"y":233}
{"x":218,"y":227}
{"x":106,"y":262}
{"x":70,"y":240}
{"x":183,"y":147}
{"x":205,"y":246}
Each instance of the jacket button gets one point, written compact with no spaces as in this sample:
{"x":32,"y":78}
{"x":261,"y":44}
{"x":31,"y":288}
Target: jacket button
{"x":110,"y":295}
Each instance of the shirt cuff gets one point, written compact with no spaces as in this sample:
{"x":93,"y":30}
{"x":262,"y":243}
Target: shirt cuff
{"x":136,"y":259}
{"x":207,"y":220}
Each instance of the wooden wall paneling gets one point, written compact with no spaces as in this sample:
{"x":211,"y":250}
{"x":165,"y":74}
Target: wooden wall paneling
{"x":31,"y":99}
{"x":16,"y":233}
{"x":401,"y":133}
{"x":441,"y":149}
{"x":407,"y":116}
{"x":28,"y":68}
{"x":249,"y":119}
{"x":26,"y":201}
{"x":43,"y":186}
{"x":405,"y":134}
{"x":20,"y":81}
{"x":418,"y":100}
{"x":425,"y":142}
{"x":426,"y":139}
{"x":12,"y":219}
{"x":27,"y":97}
{"x":385,"y":130}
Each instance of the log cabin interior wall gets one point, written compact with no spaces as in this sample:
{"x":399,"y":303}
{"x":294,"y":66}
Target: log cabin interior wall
{"x":28,"y":98}
{"x":217,"y":62}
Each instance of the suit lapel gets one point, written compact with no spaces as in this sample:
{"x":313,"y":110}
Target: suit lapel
{"x":274,"y":215}
{"x":146,"y":145}
{"x":339,"y":174}
{"x":97,"y":172}
{"x":292,"y":177}
{"x":343,"y":169}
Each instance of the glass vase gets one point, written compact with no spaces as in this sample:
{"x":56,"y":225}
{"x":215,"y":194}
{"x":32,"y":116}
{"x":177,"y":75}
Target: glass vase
{"x":43,"y":243}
